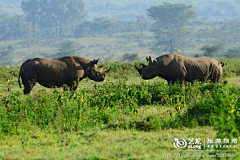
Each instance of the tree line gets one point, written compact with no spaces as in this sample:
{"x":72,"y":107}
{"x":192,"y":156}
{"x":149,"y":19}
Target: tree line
{"x":170,"y":23}
{"x":65,"y":18}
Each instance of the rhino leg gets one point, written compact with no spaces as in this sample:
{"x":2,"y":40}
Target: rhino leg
{"x":73,"y":85}
{"x":74,"y":88}
{"x":29,"y":76}
{"x":214,"y":78}
{"x":215,"y":74}
{"x":29,"y":82}
{"x":171,"y":82}
{"x":174,"y":81}
{"x":28,"y":87}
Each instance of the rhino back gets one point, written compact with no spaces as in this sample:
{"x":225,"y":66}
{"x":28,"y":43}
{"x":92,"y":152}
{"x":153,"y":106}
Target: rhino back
{"x":54,"y":72}
{"x":178,"y":67}
{"x":171,"y":67}
{"x":174,"y":66}
{"x":197,"y":69}
{"x":74,"y":60}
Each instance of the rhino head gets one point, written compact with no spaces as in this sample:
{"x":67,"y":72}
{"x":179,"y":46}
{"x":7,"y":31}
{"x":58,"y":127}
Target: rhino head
{"x":148,"y":72}
{"x":96,"y":73}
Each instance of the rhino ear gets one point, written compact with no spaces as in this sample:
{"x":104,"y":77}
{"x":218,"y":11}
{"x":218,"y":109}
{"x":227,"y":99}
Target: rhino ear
{"x":98,"y":60}
{"x":154,"y":61}
{"x":95,"y":61}
{"x":147,"y":59}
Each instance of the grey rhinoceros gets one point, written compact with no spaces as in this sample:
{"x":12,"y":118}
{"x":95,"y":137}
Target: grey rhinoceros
{"x":52,"y":73}
{"x":173,"y":67}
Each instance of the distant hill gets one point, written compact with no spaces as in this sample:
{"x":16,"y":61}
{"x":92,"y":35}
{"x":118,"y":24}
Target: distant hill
{"x":11,"y":7}
{"x":128,"y":10}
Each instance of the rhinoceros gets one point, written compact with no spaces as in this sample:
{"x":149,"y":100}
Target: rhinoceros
{"x":52,"y":73}
{"x":173,"y":67}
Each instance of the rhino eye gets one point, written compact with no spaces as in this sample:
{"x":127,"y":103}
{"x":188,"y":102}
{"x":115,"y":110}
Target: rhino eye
{"x":98,"y":73}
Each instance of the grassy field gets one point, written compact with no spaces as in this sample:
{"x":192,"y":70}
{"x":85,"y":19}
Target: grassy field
{"x":123,"y":117}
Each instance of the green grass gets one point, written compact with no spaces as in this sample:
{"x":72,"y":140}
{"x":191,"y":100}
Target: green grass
{"x":122,"y":117}
{"x":106,"y":144}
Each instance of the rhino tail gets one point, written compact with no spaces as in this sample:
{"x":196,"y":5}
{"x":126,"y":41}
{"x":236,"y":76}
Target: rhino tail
{"x":222,"y":63}
{"x":19,"y":79}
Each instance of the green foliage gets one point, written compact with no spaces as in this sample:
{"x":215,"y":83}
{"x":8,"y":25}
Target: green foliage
{"x":219,"y":106}
{"x":231,"y":67}
{"x":210,"y":51}
{"x":8,"y":73}
{"x":118,"y":104}
{"x":170,"y":20}
{"x":194,"y":104}
{"x":121,"y":70}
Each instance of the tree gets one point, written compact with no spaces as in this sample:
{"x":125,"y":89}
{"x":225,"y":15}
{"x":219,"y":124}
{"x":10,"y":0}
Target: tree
{"x":76,"y":14}
{"x":210,"y":51}
{"x":141,"y":22}
{"x":54,"y":13}
{"x":101,"y":25}
{"x":65,"y":50}
{"x":130,"y":57}
{"x":233,"y":53}
{"x":171,"y":20}
{"x":15,"y":27}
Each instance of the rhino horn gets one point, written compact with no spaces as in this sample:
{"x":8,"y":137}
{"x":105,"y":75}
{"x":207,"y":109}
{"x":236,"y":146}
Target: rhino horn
{"x":108,"y":70}
{"x":101,"y":67}
{"x":143,"y":65}
{"x":138,"y":69}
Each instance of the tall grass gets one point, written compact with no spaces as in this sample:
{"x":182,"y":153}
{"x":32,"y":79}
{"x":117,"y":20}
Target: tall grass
{"x":117,"y":104}
{"x":231,"y":67}
{"x":194,"y":105}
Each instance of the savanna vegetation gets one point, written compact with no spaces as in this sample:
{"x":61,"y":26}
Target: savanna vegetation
{"x":122,"y":117}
